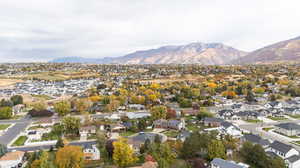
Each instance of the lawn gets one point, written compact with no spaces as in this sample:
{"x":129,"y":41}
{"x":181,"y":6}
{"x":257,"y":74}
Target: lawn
{"x":4,"y":126}
{"x":127,"y":133}
{"x":267,"y":129}
{"x":20,"y":141}
{"x":277,"y":118}
{"x":295,"y":116}
{"x":193,"y":127}
{"x":49,"y":136}
{"x":253,"y":121}
{"x":93,"y":136}
{"x":171,"y":133}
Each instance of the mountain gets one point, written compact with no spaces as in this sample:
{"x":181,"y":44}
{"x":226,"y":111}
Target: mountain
{"x":284,"y":51}
{"x":194,"y":53}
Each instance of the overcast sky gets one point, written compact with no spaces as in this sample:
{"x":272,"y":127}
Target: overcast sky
{"x":40,"y":30}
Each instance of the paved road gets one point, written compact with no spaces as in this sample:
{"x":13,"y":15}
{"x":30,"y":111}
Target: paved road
{"x":47,"y":147}
{"x":13,"y":132}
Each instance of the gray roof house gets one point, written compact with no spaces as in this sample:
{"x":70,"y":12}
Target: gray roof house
{"x":282,"y":150}
{"x":255,"y":139}
{"x":220,"y":163}
{"x":289,"y":129}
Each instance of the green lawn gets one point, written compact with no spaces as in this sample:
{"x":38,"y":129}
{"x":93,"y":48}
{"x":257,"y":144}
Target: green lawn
{"x":193,"y":127}
{"x":127,"y":133}
{"x":49,"y":136}
{"x":93,"y":136}
{"x":295,"y":116}
{"x":4,"y":126}
{"x":267,"y":129}
{"x":171,"y":133}
{"x":20,"y":141}
{"x":277,"y":118}
{"x":253,"y":121}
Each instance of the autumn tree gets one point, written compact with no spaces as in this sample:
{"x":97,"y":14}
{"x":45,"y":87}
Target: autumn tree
{"x":62,"y":108}
{"x":158,"y":112}
{"x":123,"y":154}
{"x":42,"y":162}
{"x":69,"y":157}
{"x":216,"y":149}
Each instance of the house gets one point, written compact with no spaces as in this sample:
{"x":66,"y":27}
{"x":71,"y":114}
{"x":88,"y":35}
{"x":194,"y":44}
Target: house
{"x":169,"y":124}
{"x":12,"y":159}
{"x":255,"y":139}
{"x":91,"y":152}
{"x":87,"y":130}
{"x":220,"y":163}
{"x":136,"y":107}
{"x":274,"y":104}
{"x":183,"y":135}
{"x":212,"y":122}
{"x":288,"y":129}
{"x":138,"y":140}
{"x":230,"y":129}
{"x":293,"y":161}
{"x":18,"y":109}
{"x":282,"y":150}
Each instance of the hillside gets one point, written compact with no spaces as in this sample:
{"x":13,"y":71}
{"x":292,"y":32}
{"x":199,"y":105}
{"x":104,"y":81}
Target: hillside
{"x":284,"y":51}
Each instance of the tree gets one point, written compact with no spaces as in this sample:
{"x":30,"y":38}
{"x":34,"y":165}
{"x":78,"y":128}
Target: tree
{"x":71,"y":125}
{"x":123,"y":154}
{"x":69,"y":157}
{"x":142,"y":124}
{"x":216,"y":149}
{"x":81,"y":105}
{"x":61,"y":143}
{"x":17,"y":99}
{"x":203,"y":112}
{"x":42,"y":162}
{"x":5,"y":112}
{"x":39,"y":106}
{"x":101,"y":139}
{"x":158,"y":112}
{"x":250,"y":96}
{"x":6,"y":103}
{"x":62,"y":108}
{"x":40,"y":113}
{"x":185,"y":103}
{"x":3,"y":150}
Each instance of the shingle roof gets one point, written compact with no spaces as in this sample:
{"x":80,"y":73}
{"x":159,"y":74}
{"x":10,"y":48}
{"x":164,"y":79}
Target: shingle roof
{"x":256,"y":139}
{"x":293,"y":158}
{"x":225,"y":164}
{"x":289,"y":126}
{"x":281,"y":147}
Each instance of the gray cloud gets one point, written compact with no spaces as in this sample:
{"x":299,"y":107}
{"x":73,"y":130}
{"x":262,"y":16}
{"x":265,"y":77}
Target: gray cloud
{"x":35,"y":30}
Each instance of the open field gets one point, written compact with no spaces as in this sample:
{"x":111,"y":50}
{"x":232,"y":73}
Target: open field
{"x":8,"y":82}
{"x":56,"y":76}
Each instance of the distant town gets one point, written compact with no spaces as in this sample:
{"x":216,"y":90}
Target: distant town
{"x":147,"y":116}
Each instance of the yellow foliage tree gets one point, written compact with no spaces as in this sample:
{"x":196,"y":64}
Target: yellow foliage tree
{"x":69,"y":156}
{"x":123,"y":154}
{"x":212,"y":85}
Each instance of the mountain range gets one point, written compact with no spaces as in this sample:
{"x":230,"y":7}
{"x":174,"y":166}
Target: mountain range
{"x":201,"y":53}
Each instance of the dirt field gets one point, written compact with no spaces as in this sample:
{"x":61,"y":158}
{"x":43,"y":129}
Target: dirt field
{"x":4,"y":83}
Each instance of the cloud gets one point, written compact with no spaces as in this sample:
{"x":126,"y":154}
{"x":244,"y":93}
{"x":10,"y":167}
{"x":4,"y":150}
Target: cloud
{"x":35,"y":30}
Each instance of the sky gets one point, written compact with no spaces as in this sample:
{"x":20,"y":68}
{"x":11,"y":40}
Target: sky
{"x":41,"y":30}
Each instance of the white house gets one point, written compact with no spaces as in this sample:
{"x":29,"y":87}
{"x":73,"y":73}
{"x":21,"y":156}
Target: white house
{"x":12,"y":159}
{"x":91,"y":152}
{"x":293,"y":161}
{"x":282,"y":150}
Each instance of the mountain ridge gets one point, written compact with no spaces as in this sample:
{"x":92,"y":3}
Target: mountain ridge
{"x":192,"y":53}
